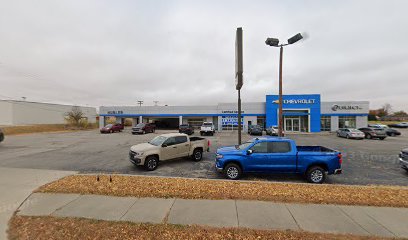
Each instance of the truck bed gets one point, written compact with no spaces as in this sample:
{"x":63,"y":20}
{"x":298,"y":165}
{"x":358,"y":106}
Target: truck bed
{"x":192,"y":139}
{"x":314,"y":149}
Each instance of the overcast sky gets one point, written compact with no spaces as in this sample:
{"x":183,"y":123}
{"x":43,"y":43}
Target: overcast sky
{"x":182,"y":52}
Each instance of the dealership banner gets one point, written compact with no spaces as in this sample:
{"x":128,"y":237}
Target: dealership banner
{"x":231,"y":120}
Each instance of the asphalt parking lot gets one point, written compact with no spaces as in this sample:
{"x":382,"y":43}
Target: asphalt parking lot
{"x":365,"y":161}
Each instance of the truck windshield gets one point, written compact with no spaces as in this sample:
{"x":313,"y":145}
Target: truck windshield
{"x":244,"y":145}
{"x":140,"y":125}
{"x":158,"y":141}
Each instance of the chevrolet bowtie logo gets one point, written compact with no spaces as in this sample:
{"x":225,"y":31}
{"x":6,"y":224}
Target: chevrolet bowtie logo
{"x":276,"y":101}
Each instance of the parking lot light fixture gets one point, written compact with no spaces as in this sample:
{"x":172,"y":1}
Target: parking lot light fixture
{"x":274,"y":42}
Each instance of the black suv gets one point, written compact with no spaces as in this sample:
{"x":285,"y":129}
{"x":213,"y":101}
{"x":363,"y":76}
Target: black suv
{"x":403,"y":158}
{"x":186,"y":128}
{"x":1,"y":135}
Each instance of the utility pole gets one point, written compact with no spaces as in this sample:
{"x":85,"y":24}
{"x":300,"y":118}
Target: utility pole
{"x":239,"y":76}
{"x":155,"y":103}
{"x":140,"y":102}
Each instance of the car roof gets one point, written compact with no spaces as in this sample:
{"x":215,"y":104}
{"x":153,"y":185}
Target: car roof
{"x":277,"y":139}
{"x":173,"y":134}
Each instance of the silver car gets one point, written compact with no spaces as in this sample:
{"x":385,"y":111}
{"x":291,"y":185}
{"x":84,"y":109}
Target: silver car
{"x":350,"y":133}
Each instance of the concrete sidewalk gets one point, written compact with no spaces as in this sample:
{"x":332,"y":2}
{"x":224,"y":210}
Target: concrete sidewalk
{"x":378,"y":221}
{"x":16,"y":184}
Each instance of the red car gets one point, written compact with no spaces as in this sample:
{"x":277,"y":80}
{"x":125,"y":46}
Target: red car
{"x":110,"y":128}
{"x":143,"y":128}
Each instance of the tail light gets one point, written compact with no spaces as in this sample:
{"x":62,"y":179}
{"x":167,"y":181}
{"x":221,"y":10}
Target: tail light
{"x":340,"y":158}
{"x":209,"y":143}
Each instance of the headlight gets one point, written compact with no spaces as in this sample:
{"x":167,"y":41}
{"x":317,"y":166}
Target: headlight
{"x":139,"y":153}
{"x":219,"y":156}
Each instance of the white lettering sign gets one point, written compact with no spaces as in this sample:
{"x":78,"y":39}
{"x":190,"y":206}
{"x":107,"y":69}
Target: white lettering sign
{"x":336,"y":107}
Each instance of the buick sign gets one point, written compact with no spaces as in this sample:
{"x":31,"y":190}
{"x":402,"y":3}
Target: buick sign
{"x":336,"y":107}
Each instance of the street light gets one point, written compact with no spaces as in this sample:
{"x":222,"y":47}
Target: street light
{"x":274,"y":42}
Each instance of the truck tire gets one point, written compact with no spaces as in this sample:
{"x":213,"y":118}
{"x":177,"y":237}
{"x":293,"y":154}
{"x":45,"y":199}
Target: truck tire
{"x":197,"y":155}
{"x":144,"y":132}
{"x":151,"y":163}
{"x":316,"y":175}
{"x":232,"y":171}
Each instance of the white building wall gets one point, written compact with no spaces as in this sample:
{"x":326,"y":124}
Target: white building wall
{"x":27,"y":113}
{"x":6,"y":113}
{"x":334,"y":123}
{"x":361,"y":121}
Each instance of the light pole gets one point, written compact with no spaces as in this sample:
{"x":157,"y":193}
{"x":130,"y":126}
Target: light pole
{"x":274,"y":42}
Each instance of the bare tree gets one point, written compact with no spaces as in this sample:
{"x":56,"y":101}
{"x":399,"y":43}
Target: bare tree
{"x":387,"y":109}
{"x":75,"y":116}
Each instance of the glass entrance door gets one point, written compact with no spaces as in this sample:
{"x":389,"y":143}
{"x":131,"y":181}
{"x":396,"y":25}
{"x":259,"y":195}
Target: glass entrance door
{"x":292,"y":124}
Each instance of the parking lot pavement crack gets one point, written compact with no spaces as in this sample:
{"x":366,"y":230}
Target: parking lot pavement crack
{"x":352,"y":219}
{"x":293,"y":217}
{"x":236,"y":210}
{"x":166,"y":218}
{"x":136,"y":199}
{"x":375,"y":220}
{"x":65,"y":205}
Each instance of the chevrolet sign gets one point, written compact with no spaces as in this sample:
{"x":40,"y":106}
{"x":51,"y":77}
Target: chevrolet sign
{"x":296,"y":101}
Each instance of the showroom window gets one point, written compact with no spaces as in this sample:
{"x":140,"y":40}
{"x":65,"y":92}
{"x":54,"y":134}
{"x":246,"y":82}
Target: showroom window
{"x":195,"y":122}
{"x":325,"y":123}
{"x":347,"y":122}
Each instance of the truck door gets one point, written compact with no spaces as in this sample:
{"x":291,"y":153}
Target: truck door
{"x":182,"y":146}
{"x":169,"y":150}
{"x":281,"y":157}
{"x":258,"y":160}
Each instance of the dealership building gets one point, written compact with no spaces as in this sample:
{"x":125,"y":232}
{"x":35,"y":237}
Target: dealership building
{"x":13,"y":112}
{"x":301,"y":113}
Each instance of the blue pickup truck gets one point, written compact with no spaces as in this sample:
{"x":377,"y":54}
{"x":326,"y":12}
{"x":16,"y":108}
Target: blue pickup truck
{"x":278,"y":155}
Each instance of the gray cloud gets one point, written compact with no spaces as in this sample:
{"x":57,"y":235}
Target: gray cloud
{"x":182,"y":52}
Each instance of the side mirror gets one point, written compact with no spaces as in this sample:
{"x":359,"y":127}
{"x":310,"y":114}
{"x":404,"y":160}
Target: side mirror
{"x":249,"y":152}
{"x":164,"y":145}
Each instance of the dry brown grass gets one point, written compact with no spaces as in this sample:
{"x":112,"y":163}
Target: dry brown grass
{"x":160,"y":187}
{"x":15,"y":130}
{"x":75,"y":228}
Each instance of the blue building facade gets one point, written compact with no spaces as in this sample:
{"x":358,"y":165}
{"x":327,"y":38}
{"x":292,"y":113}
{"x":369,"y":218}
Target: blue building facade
{"x":301,"y":113}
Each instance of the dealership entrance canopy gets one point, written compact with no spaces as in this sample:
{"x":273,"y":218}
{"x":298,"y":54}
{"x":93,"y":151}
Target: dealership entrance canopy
{"x":302,"y":113}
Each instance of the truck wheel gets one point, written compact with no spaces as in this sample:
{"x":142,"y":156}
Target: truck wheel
{"x":232,"y":171}
{"x":151,"y":163}
{"x":197,"y":155}
{"x":144,"y":132}
{"x":369,"y":136}
{"x":316,"y":175}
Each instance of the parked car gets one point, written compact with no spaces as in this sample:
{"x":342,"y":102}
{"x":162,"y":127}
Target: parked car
{"x":207,"y":128}
{"x":168,"y":146}
{"x":403,"y":158}
{"x":399,"y":125}
{"x":392,"y":132}
{"x":371,"y":133}
{"x":274,"y":131}
{"x":143,"y":128}
{"x":1,"y":135}
{"x":350,"y":133}
{"x":256,"y":130}
{"x":389,"y":131}
{"x":186,"y":128}
{"x":278,"y":155}
{"x":111,"y":128}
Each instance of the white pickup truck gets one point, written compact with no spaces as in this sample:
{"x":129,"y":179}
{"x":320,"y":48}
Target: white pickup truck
{"x":207,"y":128}
{"x":168,"y":146}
